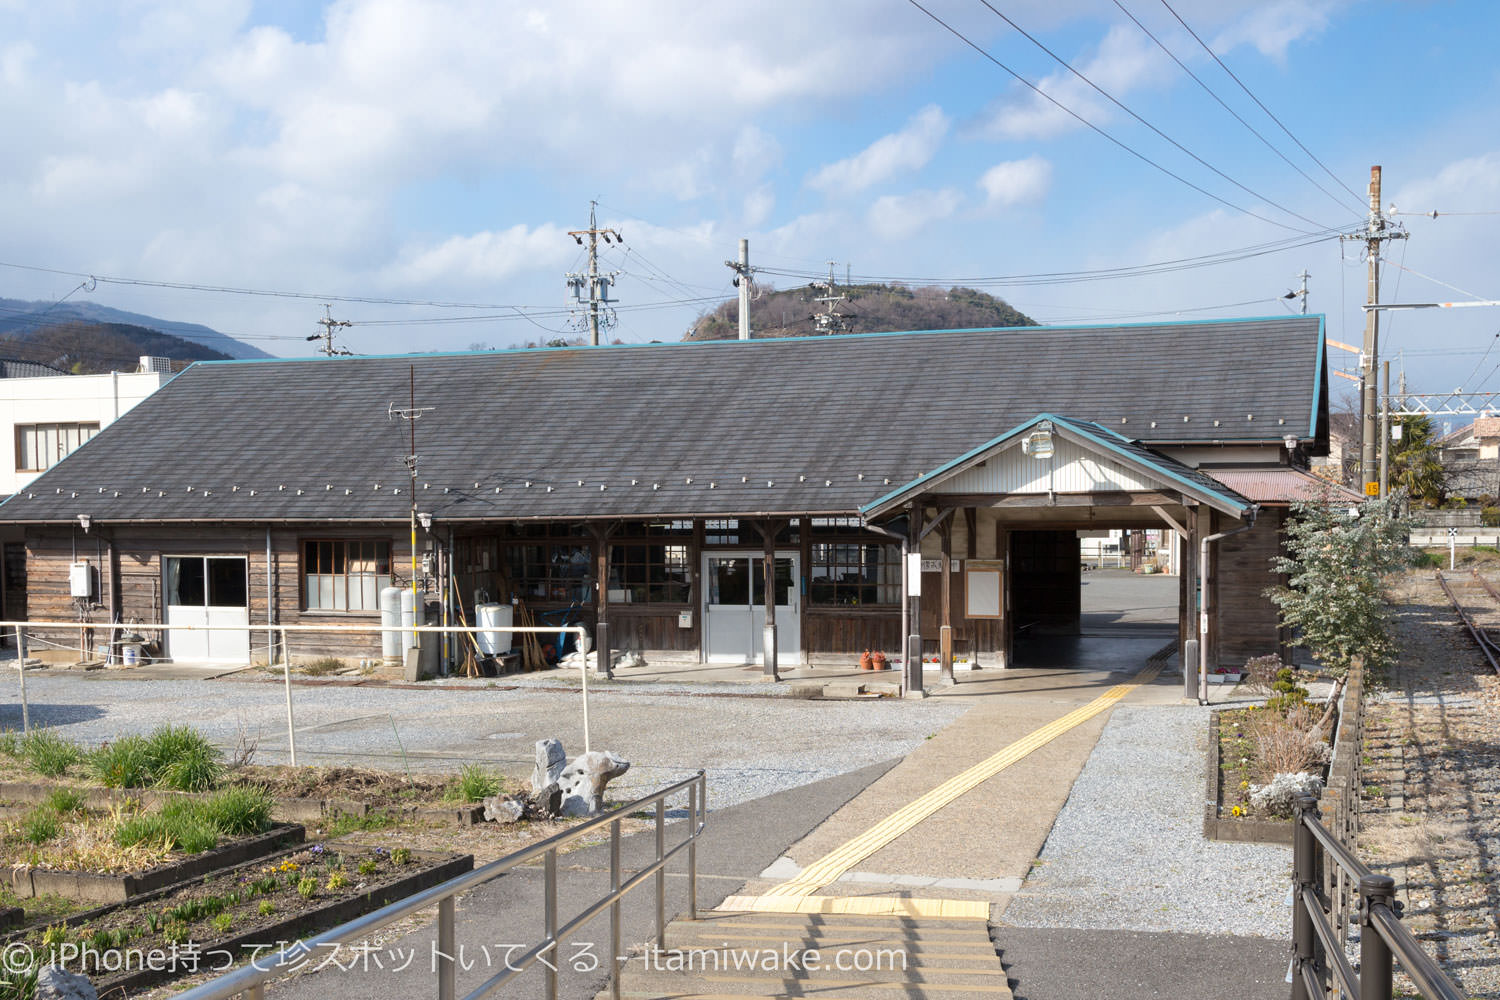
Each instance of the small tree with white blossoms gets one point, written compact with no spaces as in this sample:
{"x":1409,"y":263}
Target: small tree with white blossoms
{"x":1335,"y":562}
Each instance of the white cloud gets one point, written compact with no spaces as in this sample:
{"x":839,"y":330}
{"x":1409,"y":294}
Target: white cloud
{"x":1126,"y":60}
{"x":900,"y":152}
{"x":1272,"y":27}
{"x":895,"y":217}
{"x":1016,"y":181}
{"x":486,"y":256}
{"x":758,"y":205}
{"x":755,"y":152}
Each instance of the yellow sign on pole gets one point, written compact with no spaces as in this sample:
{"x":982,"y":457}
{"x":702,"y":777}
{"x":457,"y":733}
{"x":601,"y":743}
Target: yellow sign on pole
{"x":1372,"y":489}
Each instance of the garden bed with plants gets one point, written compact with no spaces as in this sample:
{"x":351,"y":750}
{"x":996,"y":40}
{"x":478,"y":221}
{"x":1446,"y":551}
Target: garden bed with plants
{"x":1262,"y":756}
{"x":224,"y":919}
{"x":173,"y":761}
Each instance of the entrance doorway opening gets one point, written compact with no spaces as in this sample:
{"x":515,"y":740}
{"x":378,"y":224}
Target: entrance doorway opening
{"x":1069,"y":612}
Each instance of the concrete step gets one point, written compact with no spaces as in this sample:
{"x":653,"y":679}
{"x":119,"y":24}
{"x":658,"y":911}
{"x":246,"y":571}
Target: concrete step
{"x":767,"y":955}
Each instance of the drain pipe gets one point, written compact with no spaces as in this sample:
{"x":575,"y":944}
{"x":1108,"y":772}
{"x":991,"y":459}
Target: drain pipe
{"x":1203,"y":602}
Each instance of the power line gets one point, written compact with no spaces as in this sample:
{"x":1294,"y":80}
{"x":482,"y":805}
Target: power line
{"x":1258,"y":103}
{"x":1074,"y":277}
{"x":1112,"y":99}
{"x":1095,"y":128}
{"x":1237,"y":117}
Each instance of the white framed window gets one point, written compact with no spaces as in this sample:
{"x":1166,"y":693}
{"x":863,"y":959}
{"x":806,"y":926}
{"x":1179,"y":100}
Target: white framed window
{"x":345,"y":574}
{"x":41,"y":446}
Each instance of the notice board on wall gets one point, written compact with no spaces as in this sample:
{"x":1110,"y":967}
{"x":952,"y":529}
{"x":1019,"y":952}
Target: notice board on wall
{"x":984,"y":588}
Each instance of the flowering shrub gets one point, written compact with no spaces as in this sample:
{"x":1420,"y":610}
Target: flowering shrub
{"x":1279,"y":796}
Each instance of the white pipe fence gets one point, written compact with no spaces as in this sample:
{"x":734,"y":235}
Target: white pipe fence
{"x":21,"y":627}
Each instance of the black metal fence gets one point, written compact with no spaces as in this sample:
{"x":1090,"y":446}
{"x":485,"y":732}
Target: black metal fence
{"x":1320,"y":964}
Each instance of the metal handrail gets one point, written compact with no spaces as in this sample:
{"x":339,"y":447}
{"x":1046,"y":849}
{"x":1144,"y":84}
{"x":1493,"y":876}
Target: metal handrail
{"x":249,"y":981}
{"x":1383,"y":938}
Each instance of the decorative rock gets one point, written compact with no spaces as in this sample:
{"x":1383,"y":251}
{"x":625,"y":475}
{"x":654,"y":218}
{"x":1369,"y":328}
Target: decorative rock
{"x":503,"y":809}
{"x":582,"y":782}
{"x":56,"y":983}
{"x":550,"y":761}
{"x":548,"y":802}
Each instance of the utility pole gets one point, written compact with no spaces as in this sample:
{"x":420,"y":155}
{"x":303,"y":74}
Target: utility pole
{"x":598,"y":284}
{"x":411,"y":413}
{"x":328,"y":323}
{"x":829,"y":320}
{"x":1302,"y":293}
{"x":742,"y":279}
{"x":1377,"y":231}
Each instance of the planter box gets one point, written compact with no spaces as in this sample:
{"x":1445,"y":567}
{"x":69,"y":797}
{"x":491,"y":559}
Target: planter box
{"x":90,"y":887}
{"x":1224,"y":678}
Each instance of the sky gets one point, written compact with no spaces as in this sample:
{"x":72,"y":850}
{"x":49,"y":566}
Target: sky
{"x":418,"y":165}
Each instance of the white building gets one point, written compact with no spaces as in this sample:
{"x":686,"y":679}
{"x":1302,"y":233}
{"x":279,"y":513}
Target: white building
{"x":46,"y":414}
{"x":47,"y":418}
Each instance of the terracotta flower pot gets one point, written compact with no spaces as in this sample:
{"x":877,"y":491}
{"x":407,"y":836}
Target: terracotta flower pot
{"x":879,"y":661}
{"x":865,"y":663}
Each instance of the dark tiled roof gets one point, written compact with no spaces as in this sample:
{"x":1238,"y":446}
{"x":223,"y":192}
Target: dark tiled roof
{"x":18,"y":368}
{"x":800,"y":425}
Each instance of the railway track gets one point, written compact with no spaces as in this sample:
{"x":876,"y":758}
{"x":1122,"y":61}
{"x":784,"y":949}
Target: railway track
{"x":1488,"y":644}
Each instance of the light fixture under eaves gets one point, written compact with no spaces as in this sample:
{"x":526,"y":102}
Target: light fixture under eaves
{"x":1038,"y":444}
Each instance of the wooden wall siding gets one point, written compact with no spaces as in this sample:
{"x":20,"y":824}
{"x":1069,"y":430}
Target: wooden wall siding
{"x":640,"y":629}
{"x":1046,"y":583}
{"x":139,"y":583}
{"x":1072,"y":469}
{"x":1248,"y":622}
{"x":845,"y":632}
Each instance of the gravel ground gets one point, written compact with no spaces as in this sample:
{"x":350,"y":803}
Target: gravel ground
{"x":1431,"y":809}
{"x":1127,"y":852}
{"x":749,"y":743}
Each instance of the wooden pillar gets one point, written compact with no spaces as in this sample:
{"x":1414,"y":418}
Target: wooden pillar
{"x":605,"y":665}
{"x":912,"y":660}
{"x":697,"y":596}
{"x":945,"y":533}
{"x":1007,"y":632}
{"x":1187,"y":582}
{"x":768,"y":531}
{"x":804,"y":540}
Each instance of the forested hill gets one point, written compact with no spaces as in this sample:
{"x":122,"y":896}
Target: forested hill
{"x":865,"y":309}
{"x":85,"y":348}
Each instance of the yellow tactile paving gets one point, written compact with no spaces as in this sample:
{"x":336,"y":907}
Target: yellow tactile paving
{"x":842,"y":859}
{"x":872,"y":906}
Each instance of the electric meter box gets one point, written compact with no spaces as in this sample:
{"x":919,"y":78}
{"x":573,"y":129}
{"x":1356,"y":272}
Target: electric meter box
{"x":81,"y":580}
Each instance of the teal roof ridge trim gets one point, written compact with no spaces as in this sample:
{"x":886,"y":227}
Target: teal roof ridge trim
{"x":725,"y":341}
{"x":1319,"y":376}
{"x":1135,"y":453}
